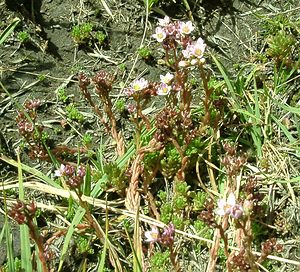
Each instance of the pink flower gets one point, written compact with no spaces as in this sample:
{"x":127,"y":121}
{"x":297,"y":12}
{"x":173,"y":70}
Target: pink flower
{"x":230,"y":207}
{"x":186,"y":28}
{"x":163,"y":89}
{"x":152,"y":235}
{"x":160,"y":34}
{"x":167,"y":237}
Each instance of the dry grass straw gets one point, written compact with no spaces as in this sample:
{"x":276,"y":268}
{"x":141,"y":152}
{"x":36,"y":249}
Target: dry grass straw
{"x":111,"y":206}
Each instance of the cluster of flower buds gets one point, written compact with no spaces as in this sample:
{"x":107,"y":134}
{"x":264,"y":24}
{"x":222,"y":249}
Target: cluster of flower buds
{"x":169,"y":123}
{"x":207,"y":215}
{"x":22,"y":212}
{"x":38,"y":151}
{"x":103,"y":82}
{"x":31,"y":131}
{"x":175,"y":34}
{"x":166,"y":123}
{"x":84,"y":82}
{"x":232,"y":162}
{"x":74,"y":177}
{"x":25,"y":126}
{"x":32,"y":105}
{"x":271,"y":245}
{"x":239,"y":262}
{"x":165,"y":238}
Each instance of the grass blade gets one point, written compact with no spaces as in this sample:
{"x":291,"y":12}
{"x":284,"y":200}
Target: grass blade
{"x":7,"y":31}
{"x":103,"y":253}
{"x":24,"y":231}
{"x":284,"y":129}
{"x":76,"y":220}
{"x":135,"y":257}
{"x":137,"y":250}
{"x":8,"y":239}
{"x":87,"y":182}
{"x":227,"y":80}
{"x":38,"y":174}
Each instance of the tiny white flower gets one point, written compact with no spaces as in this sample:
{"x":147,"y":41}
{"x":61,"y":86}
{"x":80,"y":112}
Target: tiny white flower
{"x":186,"y":27}
{"x":199,"y":48}
{"x":195,"y":50}
{"x":183,"y":63}
{"x":166,"y":78}
{"x":194,"y":61}
{"x":139,"y":84}
{"x":160,"y":34}
{"x":152,"y":235}
{"x":163,"y":89}
{"x":230,"y":207}
{"x":231,"y":199}
{"x":186,"y":53}
{"x":60,"y":172}
{"x":221,"y":207}
{"x":224,"y":206}
{"x":164,"y":22}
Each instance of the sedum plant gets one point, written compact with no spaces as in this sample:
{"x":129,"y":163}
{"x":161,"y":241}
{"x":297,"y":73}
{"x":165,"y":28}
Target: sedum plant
{"x":177,"y":171}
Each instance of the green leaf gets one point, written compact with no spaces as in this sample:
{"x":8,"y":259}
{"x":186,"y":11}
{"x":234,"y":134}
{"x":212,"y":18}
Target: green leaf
{"x":24,"y":230}
{"x":38,"y":174}
{"x":7,"y":31}
{"x":87,"y":182}
{"x":103,"y":253}
{"x":9,"y":244}
{"x":284,"y":129}
{"x":76,"y":220}
{"x":293,"y":180}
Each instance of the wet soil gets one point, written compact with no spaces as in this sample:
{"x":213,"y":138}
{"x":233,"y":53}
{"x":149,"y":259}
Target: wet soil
{"x":51,"y":59}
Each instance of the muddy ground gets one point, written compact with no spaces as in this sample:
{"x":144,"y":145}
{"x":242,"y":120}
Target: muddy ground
{"x":51,"y":59}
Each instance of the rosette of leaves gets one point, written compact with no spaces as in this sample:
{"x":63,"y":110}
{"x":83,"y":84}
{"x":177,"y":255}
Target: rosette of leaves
{"x":85,"y":34}
{"x":193,"y":150}
{"x":173,"y":207}
{"x":151,"y":160}
{"x":82,"y":34}
{"x":171,"y":161}
{"x":281,"y":48}
{"x":116,"y":177}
